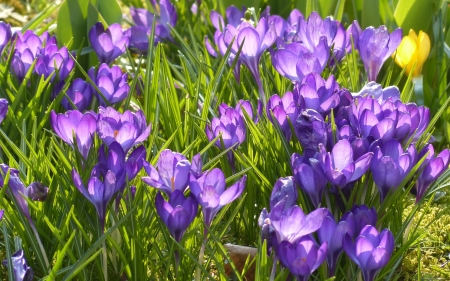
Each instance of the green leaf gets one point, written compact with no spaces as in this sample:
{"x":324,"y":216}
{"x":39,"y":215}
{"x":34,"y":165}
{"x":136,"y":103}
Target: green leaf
{"x":414,"y":14}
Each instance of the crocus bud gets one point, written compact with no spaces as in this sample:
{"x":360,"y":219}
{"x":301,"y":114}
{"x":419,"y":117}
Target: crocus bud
{"x":413,"y":50}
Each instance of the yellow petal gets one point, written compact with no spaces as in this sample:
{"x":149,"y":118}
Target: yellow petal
{"x":405,"y":51}
{"x":413,"y":35}
{"x":424,"y":46}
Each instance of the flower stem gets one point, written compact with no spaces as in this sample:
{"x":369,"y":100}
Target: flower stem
{"x":105,"y":259}
{"x":202,"y":254}
{"x":274,"y":269}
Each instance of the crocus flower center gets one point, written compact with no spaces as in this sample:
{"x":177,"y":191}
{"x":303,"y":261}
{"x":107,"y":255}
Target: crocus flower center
{"x":173,"y":183}
{"x":116,"y":132}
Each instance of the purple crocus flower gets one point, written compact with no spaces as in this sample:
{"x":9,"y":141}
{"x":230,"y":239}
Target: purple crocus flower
{"x":72,"y":124}
{"x":5,"y":34}
{"x":241,"y":106}
{"x":353,"y":32}
{"x":111,"y":82}
{"x":303,"y":257}
{"x":292,"y":224}
{"x":420,"y":118}
{"x":178,"y":213}
{"x":283,"y":193}
{"x":115,"y":160}
{"x":22,"y":271}
{"x":230,"y":125}
{"x":257,"y":40}
{"x":375,"y":90}
{"x":287,"y":29}
{"x":3,"y":109}
{"x":319,"y":94}
{"x":371,"y":250}
{"x":311,"y":130}
{"x":27,"y":46}
{"x":108,"y":44}
{"x":127,"y":128}
{"x":376,"y":45}
{"x":172,"y":173}
{"x":197,"y":166}
{"x":51,"y":59}
{"x":309,"y":176}
{"x":363,"y":216}
{"x":17,"y":190}
{"x":234,"y":18}
{"x":282,"y":108}
{"x":37,"y":191}
{"x":340,"y":167}
{"x":333,"y":234}
{"x":144,"y":20}
{"x":211,"y":194}
{"x":390,"y":165}
{"x":99,"y":191}
{"x":311,"y":31}
{"x":283,"y":197}
{"x":80,"y":94}
{"x":433,"y":167}
{"x":294,"y":61}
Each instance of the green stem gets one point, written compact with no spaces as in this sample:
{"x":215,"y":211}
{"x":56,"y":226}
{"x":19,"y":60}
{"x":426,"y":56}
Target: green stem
{"x":202,"y":254}
{"x":105,"y":259}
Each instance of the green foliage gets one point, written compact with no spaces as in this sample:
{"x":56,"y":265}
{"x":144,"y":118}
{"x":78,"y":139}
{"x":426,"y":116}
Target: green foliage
{"x":182,"y":87}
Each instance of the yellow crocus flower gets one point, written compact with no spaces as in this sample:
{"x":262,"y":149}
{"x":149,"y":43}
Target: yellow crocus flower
{"x":413,"y":49}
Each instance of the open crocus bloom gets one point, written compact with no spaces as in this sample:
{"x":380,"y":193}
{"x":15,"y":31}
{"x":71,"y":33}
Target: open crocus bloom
{"x":211,"y":194}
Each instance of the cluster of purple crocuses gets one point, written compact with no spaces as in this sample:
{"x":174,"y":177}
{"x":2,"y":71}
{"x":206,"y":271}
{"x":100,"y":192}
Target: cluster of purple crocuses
{"x":56,"y":63}
{"x":120,"y":158}
{"x":289,"y":234}
{"x":344,"y":136}
{"x":302,"y":46}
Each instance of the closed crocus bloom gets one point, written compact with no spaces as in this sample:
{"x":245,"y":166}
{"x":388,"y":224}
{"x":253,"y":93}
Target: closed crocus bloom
{"x":111,"y":82}
{"x":22,"y":271}
{"x":127,"y":128}
{"x":80,"y":94}
{"x":333,"y":233}
{"x":375,"y":46}
{"x":178,"y":213}
{"x":52,"y":59}
{"x":371,"y":250}
{"x":211,"y":194}
{"x":99,"y":191}
{"x":230,"y":125}
{"x":253,"y":41}
{"x":144,"y":19}
{"x":303,"y":257}
{"x":311,"y":130}
{"x":318,"y":94}
{"x":413,"y":50}
{"x":5,"y":35}
{"x":282,"y":108}
{"x":115,"y":160}
{"x":108,"y":44}
{"x":309,"y":176}
{"x":74,"y":123}
{"x":363,"y":216}
{"x":3,"y":109}
{"x":433,"y":167}
{"x":390,"y":165}
{"x":170,"y":174}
